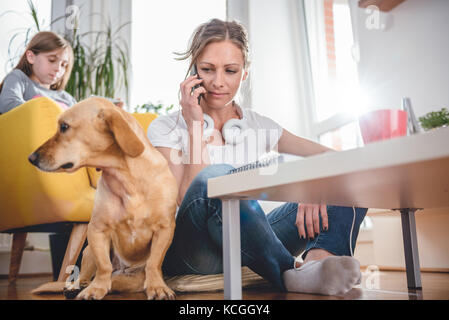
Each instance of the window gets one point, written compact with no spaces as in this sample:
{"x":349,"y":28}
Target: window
{"x":15,"y":18}
{"x":336,"y":93}
{"x":338,"y":100}
{"x":160,"y":28}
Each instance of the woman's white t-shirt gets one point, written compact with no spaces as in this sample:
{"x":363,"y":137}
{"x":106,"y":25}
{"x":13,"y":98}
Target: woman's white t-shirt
{"x":260,"y":137}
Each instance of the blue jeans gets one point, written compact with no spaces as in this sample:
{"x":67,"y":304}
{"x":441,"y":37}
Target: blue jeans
{"x":269,"y":243}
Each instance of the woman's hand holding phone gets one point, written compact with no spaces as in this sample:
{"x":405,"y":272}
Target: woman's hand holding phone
{"x":191,"y":110}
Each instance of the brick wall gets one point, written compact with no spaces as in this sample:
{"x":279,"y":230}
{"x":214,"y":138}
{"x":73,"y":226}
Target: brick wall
{"x":330,"y":38}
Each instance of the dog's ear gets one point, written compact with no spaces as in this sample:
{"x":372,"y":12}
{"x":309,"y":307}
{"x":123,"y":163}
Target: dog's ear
{"x":125,"y":137}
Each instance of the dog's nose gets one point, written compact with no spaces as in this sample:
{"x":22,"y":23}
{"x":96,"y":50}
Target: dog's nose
{"x":34,"y":158}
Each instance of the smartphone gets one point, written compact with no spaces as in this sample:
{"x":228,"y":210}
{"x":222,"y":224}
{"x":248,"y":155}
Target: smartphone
{"x":194,"y":72}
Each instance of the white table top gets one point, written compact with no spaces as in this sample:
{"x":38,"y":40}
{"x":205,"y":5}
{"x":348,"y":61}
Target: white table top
{"x":405,"y":172}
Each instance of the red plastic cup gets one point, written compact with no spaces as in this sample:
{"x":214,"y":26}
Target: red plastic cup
{"x":382,"y":125}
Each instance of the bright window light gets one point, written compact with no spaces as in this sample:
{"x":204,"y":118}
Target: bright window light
{"x":344,"y":138}
{"x":334,"y":71}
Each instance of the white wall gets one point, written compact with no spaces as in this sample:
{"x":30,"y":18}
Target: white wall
{"x":383,"y":245}
{"x":409,"y":58}
{"x":275,"y":88}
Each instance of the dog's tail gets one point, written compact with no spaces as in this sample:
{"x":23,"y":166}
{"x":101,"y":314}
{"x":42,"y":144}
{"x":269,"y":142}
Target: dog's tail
{"x":50,"y":287}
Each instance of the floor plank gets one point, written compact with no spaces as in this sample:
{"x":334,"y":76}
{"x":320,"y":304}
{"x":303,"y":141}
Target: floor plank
{"x":389,"y":285}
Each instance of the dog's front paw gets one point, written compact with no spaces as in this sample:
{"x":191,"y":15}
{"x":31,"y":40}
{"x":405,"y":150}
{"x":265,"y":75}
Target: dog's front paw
{"x":93,"y":292}
{"x":159,"y":293}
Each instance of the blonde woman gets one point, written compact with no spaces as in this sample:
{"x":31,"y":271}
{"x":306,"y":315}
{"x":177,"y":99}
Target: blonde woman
{"x":269,"y":243}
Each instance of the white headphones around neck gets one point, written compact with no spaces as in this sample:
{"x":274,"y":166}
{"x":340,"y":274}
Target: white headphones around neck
{"x":232,"y":130}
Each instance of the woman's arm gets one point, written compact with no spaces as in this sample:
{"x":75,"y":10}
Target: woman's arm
{"x":198,"y":159}
{"x":177,"y":169}
{"x":292,"y":144}
{"x":193,"y":116}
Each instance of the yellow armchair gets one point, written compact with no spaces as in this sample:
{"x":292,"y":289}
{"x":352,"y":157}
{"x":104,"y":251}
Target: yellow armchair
{"x":36,"y":201}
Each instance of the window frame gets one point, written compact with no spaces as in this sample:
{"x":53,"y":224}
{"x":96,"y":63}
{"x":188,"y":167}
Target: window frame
{"x":340,"y":119}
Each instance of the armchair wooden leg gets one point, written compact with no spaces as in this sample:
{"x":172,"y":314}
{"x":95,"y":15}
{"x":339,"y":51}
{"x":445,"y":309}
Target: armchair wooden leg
{"x":18,"y":244}
{"x":76,"y":241}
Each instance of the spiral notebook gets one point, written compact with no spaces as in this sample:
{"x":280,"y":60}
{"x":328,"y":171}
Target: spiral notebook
{"x":264,"y":162}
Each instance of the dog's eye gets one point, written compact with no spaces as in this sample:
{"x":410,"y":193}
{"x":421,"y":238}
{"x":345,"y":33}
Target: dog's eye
{"x":63,"y":127}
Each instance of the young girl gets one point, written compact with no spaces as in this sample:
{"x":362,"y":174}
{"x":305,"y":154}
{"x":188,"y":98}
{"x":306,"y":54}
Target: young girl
{"x":43,"y":71}
{"x":269,"y":243}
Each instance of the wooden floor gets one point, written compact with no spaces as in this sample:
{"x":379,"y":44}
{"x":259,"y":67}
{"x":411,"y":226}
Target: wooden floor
{"x":390,"y":285}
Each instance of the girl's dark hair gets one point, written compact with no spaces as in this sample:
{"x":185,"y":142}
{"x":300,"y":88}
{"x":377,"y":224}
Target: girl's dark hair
{"x":46,"y":41}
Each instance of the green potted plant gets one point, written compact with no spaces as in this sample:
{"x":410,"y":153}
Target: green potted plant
{"x":155,"y":108}
{"x":435,"y":119}
{"x":102,"y":69}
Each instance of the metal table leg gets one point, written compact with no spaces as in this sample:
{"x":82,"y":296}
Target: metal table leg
{"x":411,"y":248}
{"x":232,"y":266}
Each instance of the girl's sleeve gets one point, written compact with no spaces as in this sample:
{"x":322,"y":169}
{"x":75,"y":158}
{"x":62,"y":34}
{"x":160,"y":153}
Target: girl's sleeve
{"x":67,"y":100}
{"x":71,"y":99}
{"x":11,"y":95}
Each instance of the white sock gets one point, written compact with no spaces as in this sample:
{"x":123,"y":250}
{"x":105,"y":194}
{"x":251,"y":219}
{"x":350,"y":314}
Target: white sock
{"x":329,"y":276}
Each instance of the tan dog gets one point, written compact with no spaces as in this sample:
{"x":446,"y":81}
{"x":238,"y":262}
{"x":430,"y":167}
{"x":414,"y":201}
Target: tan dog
{"x":135,"y":202}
